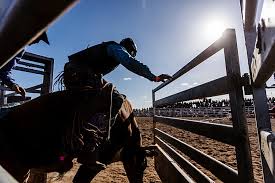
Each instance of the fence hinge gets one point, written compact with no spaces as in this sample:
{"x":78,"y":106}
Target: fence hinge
{"x":246,"y":83}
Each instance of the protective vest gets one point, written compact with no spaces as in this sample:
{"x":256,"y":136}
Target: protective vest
{"x":96,"y":58}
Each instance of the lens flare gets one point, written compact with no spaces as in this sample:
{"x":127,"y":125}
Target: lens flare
{"x":214,"y":29}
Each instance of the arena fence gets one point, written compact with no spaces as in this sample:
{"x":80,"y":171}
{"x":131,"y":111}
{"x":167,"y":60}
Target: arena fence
{"x":177,"y":168}
{"x":35,"y":64}
{"x":18,"y":13}
{"x":261,"y":64}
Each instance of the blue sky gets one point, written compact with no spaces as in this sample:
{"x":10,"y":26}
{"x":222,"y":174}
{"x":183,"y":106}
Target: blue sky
{"x":168,"y":33}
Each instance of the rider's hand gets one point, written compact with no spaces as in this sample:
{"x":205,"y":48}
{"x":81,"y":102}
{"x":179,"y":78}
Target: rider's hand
{"x":162,"y":77}
{"x":18,"y":89}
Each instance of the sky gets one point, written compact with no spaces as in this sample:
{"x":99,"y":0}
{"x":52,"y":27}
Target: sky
{"x":168,"y":34}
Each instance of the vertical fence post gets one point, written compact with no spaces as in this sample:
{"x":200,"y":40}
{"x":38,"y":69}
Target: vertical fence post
{"x":260,"y":102}
{"x":48,"y":77}
{"x":154,"y":113}
{"x":2,"y":96}
{"x":245,"y":172}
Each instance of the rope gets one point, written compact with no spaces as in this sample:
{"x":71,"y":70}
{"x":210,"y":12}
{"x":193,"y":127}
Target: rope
{"x":110,"y":113}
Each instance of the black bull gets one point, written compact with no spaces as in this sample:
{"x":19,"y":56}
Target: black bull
{"x":32,"y":136}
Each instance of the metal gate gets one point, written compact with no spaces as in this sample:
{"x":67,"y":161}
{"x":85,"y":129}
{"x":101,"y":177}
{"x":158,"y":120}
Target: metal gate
{"x":177,"y":168}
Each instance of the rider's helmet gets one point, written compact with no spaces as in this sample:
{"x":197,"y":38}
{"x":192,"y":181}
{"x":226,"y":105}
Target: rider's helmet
{"x":129,"y":45}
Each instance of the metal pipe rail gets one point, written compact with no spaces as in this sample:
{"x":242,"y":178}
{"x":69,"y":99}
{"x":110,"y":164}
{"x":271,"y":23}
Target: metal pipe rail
{"x":33,"y":17}
{"x":217,"y":87}
{"x":261,"y":65}
{"x":219,"y":132}
{"x":177,"y":175}
{"x":30,"y":65}
{"x":211,"y":50}
{"x":41,"y":65}
{"x":219,"y":169}
{"x":252,"y":7}
{"x":230,"y":84}
{"x":263,"y":68}
{"x":191,"y":170}
{"x":33,"y":89}
{"x":36,"y":58}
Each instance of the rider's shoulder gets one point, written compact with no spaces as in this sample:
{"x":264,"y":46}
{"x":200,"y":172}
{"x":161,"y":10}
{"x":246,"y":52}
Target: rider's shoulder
{"x":111,"y":43}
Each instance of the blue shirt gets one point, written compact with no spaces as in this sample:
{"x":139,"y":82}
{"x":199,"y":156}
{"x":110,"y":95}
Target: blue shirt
{"x":124,"y":58}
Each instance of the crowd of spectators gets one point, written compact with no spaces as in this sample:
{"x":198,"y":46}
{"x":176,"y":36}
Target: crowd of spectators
{"x":207,"y":103}
{"x":204,"y":103}
{"x":201,"y":103}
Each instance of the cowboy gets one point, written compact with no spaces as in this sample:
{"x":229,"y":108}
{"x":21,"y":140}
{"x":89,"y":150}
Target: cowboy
{"x":86,"y":68}
{"x":5,"y":71}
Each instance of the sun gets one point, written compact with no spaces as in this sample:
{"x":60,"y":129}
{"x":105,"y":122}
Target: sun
{"x":214,"y":29}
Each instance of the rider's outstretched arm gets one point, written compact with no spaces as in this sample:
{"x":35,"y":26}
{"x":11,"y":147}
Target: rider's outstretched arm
{"x":133,"y":65}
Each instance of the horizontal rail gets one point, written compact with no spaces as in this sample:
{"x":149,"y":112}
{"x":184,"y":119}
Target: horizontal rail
{"x":32,"y":89}
{"x":36,"y":58}
{"x":219,"y":132}
{"x":18,"y":68}
{"x":31,"y":65}
{"x":32,"y":17}
{"x":190,"y":169}
{"x":208,"y":52}
{"x":266,"y":69}
{"x":222,"y":171}
{"x":216,"y":87}
{"x":172,"y":172}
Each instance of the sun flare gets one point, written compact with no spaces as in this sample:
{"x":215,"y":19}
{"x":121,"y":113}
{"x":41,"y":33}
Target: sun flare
{"x":214,"y":29}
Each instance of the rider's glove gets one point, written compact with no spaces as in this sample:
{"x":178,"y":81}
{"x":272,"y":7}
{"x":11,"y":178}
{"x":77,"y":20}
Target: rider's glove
{"x":162,"y":77}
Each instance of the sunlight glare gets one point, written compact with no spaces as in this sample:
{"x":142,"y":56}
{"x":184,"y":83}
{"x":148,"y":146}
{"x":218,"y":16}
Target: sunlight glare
{"x":214,"y":29}
{"x":268,"y":10}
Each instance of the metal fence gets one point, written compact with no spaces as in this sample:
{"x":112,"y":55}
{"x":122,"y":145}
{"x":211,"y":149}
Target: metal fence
{"x":35,"y":64}
{"x":262,"y":66}
{"x":20,"y":13}
{"x":177,"y":168}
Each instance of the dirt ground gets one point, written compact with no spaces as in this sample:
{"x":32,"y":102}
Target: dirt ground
{"x":223,"y":152}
